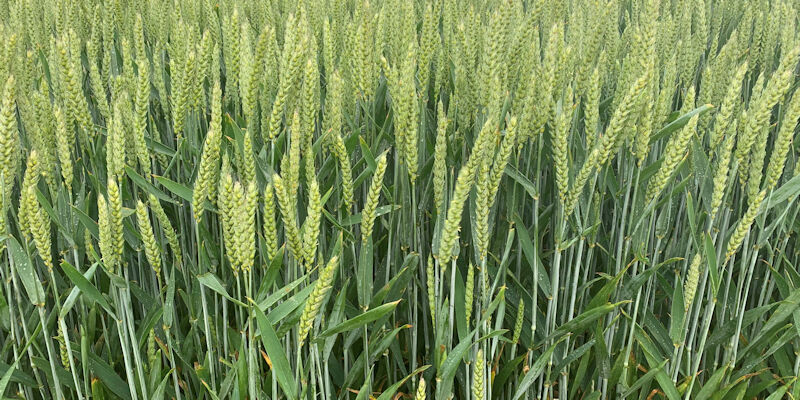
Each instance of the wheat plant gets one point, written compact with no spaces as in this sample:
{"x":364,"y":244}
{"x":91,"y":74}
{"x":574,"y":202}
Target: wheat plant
{"x":386,"y":199}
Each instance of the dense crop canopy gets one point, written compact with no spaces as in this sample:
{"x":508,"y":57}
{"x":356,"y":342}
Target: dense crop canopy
{"x":353,"y":199}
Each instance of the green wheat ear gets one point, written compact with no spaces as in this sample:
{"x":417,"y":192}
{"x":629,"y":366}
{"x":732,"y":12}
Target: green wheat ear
{"x":420,"y":390}
{"x":478,"y":391}
{"x":524,"y":199}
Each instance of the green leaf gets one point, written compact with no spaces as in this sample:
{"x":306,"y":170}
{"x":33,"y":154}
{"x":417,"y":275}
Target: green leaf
{"x":579,"y":323}
{"x":391,"y":390}
{"x":530,"y":256}
{"x":711,"y":260}
{"x":712,"y":385}
{"x":86,"y":288}
{"x":679,"y":123}
{"x":109,"y":377}
{"x":365,"y":273}
{"x":786,"y":191}
{"x":24,"y":268}
{"x":781,"y":391}
{"x":362,"y":319}
{"x":210,"y":281}
{"x":280,"y":364}
{"x":369,"y":158}
{"x":644,"y":379}
{"x":522,"y":180}
{"x":536,"y":370}
{"x":505,"y":373}
{"x":280,"y":312}
{"x":382,"y":210}
{"x":13,"y":367}
{"x":158,"y":394}
{"x":87,"y":222}
{"x":146,"y":186}
{"x":447,"y":372}
{"x":651,"y":354}
{"x":676,"y":330}
{"x":176,"y":188}
{"x":784,"y":311}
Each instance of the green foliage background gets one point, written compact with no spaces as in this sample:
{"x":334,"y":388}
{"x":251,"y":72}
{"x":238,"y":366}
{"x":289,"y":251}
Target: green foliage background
{"x":427,"y":199}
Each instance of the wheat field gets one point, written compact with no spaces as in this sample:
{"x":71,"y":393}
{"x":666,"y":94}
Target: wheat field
{"x":395,"y":199}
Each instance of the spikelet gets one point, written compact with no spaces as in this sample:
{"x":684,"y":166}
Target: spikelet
{"x":142,"y":95}
{"x":580,"y":180}
{"x":227,"y":209}
{"x":620,"y":119}
{"x":759,"y":113}
{"x":309,"y":101}
{"x":478,"y":391}
{"x":430,"y":280}
{"x":591,"y":108}
{"x":482,"y":204}
{"x":39,"y":224}
{"x":312,"y":223}
{"x":115,"y":145}
{"x":9,"y":139}
{"x":95,"y":78}
{"x":783,"y":142}
{"x":29,"y":181}
{"x":340,"y":151}
{"x":41,"y":133}
{"x":756,"y":162}
{"x":667,"y":91}
{"x":332,"y":124}
{"x":518,"y":322}
{"x":420,"y":390}
{"x":151,"y":250}
{"x":723,"y":168}
{"x":180,"y":97}
{"x":737,"y":237}
{"x":142,"y":104}
{"x":231,"y":30}
{"x":292,"y":232}
{"x":560,"y":149}
{"x":373,"y":195}
{"x":466,"y":177}
{"x":68,"y":49}
{"x":692,"y":279}
{"x":314,"y":303}
{"x":266,"y":58}
{"x":270,"y":228}
{"x":363,"y":57}
{"x":403,"y":89}
{"x":440,"y":159}
{"x":235,"y":245}
{"x":248,"y":80}
{"x":247,"y":168}
{"x":62,"y":338}
{"x":724,"y":116}
{"x":63,"y":147}
{"x":207,"y":58}
{"x":106,"y":235}
{"x":293,"y":161}
{"x":151,"y":347}
{"x":294,"y":51}
{"x":428,"y":45}
{"x":208,"y":171}
{"x":115,"y":219}
{"x":641,"y":142}
{"x":675,"y":151}
{"x":246,"y":225}
{"x":469,"y":294}
{"x":158,"y":77}
{"x":166,"y":226}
